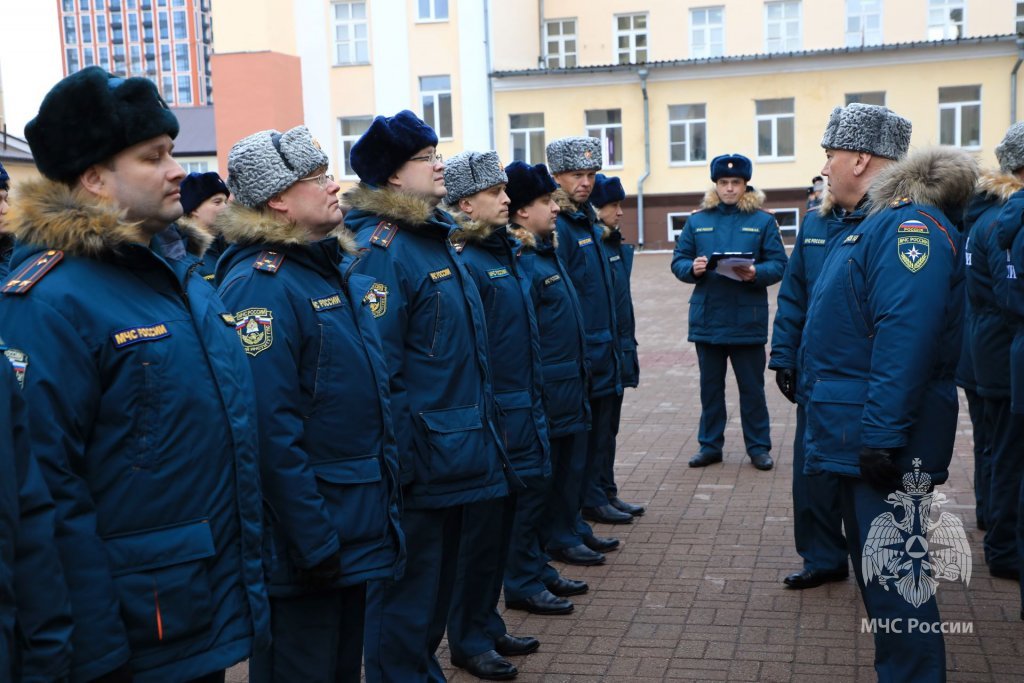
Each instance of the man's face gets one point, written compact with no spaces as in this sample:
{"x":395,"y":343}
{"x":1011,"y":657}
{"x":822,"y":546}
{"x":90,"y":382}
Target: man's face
{"x":577,"y":184}
{"x":488,"y":206}
{"x":206,"y":213}
{"x":839,"y":168}
{"x":311,"y":206}
{"x":611,"y":214}
{"x":422,"y":175}
{"x":4,"y":206}
{"x":539,"y":215}
{"x":144,"y":181}
{"x":730,"y":189}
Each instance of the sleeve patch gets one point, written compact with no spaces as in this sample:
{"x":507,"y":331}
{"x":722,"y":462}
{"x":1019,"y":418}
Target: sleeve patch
{"x":913,"y":251}
{"x":269,"y":262}
{"x":33,"y":272}
{"x":19,"y":361}
{"x":255,"y":328}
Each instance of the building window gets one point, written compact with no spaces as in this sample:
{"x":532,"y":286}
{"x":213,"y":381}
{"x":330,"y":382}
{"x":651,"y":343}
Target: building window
{"x":352,"y":127}
{"x":133,"y":27}
{"x":87,"y":57}
{"x":68,"y":5}
{"x":1020,"y":18}
{"x":789,"y":224}
{"x":863,"y":22}
{"x":687,"y":133}
{"x":351,"y":38}
{"x":72,"y":59}
{"x":945,"y":19}
{"x":104,"y":57}
{"x":86,"y":29}
{"x":99,"y":4}
{"x":606,"y":125}
{"x":165,"y":58}
{"x":181,"y":57}
{"x":119,"y":59}
{"x":707,"y":33}
{"x":136,"y":65}
{"x":164,"y":22}
{"x":101,"y":28}
{"x":167,"y":89}
{"x":436,"y":101}
{"x":180,"y":25}
{"x":776,"y":125}
{"x":83,"y":5}
{"x":433,"y":10}
{"x":561,"y":43}
{"x":527,"y":137}
{"x":184,"y":90}
{"x":676,"y":223}
{"x":866,"y":98}
{"x":631,"y":38}
{"x":782,"y":26}
{"x":70,"y":31}
{"x":195,"y":166}
{"x":960,"y":116}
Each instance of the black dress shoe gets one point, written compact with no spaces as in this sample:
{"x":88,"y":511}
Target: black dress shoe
{"x":542,"y":603}
{"x":489,"y":666}
{"x":579,"y":555}
{"x":762,"y":461}
{"x":628,"y":508}
{"x":565,"y":588}
{"x":600,"y":544}
{"x":606,"y":514}
{"x":510,"y":646}
{"x":705,"y":459}
{"x":810,"y":579}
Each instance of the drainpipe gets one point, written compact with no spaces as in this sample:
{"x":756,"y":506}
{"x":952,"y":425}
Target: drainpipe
{"x":647,"y":162}
{"x":540,"y":34}
{"x":1013,"y":81}
{"x":490,"y":80}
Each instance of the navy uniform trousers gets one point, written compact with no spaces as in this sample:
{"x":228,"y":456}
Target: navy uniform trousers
{"x":603,"y":488}
{"x":568,"y":464}
{"x":1007,"y":464}
{"x":748,"y":363}
{"x":817,"y":515}
{"x":527,"y":564}
{"x":899,"y":657}
{"x":977,"y":407}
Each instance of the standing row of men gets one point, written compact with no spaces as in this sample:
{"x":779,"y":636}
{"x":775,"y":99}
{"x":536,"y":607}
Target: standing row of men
{"x":379,"y":427}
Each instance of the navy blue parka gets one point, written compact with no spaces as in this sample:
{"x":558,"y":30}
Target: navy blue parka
{"x":620,"y":263}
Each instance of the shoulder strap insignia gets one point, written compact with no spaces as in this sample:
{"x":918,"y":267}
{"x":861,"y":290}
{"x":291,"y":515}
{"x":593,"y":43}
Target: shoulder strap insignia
{"x":900,"y":202}
{"x":269,"y":262}
{"x":33,"y":272}
{"x":384,"y":234}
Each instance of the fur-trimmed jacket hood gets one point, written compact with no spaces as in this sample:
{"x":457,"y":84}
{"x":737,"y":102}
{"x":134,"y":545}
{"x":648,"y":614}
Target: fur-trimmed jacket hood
{"x":244,"y":226}
{"x":752,"y":200}
{"x":998,"y":185}
{"x":52,"y":215}
{"x":567,"y":205}
{"x":469,"y":230}
{"x":944,"y":177}
{"x":528,"y":239}
{"x":400,"y":207}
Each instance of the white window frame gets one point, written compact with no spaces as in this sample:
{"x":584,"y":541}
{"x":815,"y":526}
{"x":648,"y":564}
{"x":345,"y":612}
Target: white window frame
{"x":195,"y":166}
{"x":432,"y":18}
{"x":351,"y":46}
{"x":941,"y":31}
{"x":179,"y":90}
{"x":784,"y":44}
{"x":631,"y":33}
{"x":958,"y":109}
{"x":673,"y":234}
{"x":704,"y":30}
{"x":794,"y":229}
{"x":862,"y":9}
{"x":529,"y":132}
{"x":602,"y":134}
{"x":348,"y":139}
{"x":848,"y":97}
{"x":436,"y":96}
{"x":561,"y":40}
{"x":688,"y":123}
{"x":774,"y":118}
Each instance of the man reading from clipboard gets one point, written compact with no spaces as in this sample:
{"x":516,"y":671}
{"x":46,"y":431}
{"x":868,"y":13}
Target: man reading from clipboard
{"x":732,"y":252}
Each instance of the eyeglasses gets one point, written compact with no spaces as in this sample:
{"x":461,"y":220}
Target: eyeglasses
{"x":432,"y":158}
{"x":322,"y":180}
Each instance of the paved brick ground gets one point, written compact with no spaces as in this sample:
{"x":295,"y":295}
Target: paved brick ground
{"x":695,"y":593}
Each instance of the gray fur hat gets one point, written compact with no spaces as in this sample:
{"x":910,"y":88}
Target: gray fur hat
{"x":1010,"y":151}
{"x":266,"y":163}
{"x":868,"y":128}
{"x":467,"y":173}
{"x":575,"y":154}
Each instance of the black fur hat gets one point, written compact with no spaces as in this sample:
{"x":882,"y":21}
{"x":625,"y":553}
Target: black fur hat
{"x":92,"y":115}
{"x":526,"y":183}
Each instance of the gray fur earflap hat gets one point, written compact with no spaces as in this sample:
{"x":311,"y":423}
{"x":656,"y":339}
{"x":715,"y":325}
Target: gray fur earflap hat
{"x":1010,"y":151}
{"x":467,"y":173}
{"x":266,"y":163}
{"x":868,"y":128}
{"x":575,"y":154}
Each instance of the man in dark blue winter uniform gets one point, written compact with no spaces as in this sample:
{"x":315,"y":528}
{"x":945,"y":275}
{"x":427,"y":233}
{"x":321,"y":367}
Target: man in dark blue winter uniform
{"x":476,"y":632}
{"x":876,"y":361}
{"x":140,"y":399}
{"x":35,"y":616}
{"x":606,"y":198}
{"x":6,"y":239}
{"x":435,"y":345}
{"x":562,"y":337}
{"x":203,"y":197}
{"x":729,"y":304}
{"x":817,"y":519}
{"x":328,"y":457}
{"x":574,"y":162}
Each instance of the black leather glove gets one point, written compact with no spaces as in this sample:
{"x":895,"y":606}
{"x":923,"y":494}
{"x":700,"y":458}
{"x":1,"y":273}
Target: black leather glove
{"x":785,"y":379}
{"x":878,"y":468}
{"x":322,"y":575}
{"x":122,"y":674}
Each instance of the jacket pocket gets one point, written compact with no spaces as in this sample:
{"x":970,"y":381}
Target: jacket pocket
{"x":834,"y":420}
{"x":518,"y":428}
{"x":565,"y":393}
{"x":455,"y":447}
{"x":162,"y":582}
{"x":356,"y":497}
